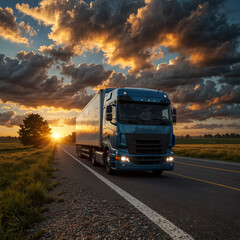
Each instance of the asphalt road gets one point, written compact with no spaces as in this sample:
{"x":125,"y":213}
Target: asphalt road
{"x":200,"y":197}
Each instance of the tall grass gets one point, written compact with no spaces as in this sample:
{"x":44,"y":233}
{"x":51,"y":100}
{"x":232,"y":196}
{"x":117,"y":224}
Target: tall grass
{"x":207,"y":140}
{"x":24,"y":179}
{"x":225,"y":152}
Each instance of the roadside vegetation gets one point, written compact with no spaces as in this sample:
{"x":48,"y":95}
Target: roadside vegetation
{"x":227,"y":149}
{"x":208,"y":141}
{"x":25,"y":178}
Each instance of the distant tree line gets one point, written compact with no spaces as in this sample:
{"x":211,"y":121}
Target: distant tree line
{"x":226,"y":135}
{"x":9,"y":139}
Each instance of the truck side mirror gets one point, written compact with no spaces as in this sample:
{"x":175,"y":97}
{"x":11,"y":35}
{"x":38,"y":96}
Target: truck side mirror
{"x":174,"y":111}
{"x":109,"y":117}
{"x":109,"y":109}
{"x":174,"y":118}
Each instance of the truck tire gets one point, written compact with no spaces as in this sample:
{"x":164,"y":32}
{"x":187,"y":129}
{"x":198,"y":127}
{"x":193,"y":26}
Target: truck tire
{"x":79,"y":153}
{"x":108,"y":168}
{"x":157,"y":172}
{"x":93,"y":160}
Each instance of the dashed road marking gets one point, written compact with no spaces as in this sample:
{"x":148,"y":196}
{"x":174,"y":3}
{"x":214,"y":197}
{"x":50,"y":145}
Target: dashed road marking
{"x":173,"y":231}
{"x":220,"y":169}
{"x":201,"y":180}
{"x":209,"y":161}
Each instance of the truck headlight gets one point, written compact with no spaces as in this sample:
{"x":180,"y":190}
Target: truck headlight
{"x":122,"y":158}
{"x":169,"y":159}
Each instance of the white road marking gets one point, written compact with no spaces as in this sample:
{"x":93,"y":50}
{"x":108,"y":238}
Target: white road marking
{"x":210,"y":161}
{"x":173,"y":231}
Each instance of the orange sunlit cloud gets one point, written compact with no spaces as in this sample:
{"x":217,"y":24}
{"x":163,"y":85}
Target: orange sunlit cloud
{"x":8,"y":27}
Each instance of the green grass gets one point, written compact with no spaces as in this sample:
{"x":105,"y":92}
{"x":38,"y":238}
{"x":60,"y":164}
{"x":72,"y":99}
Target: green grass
{"x":207,"y":141}
{"x":25,"y":175}
{"x":227,"y":152}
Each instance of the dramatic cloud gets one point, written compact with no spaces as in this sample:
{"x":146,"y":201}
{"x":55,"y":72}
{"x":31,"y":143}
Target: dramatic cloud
{"x":17,"y":120}
{"x":232,"y":77}
{"x":25,"y":81}
{"x":186,"y":114}
{"x":132,"y":33}
{"x":70,"y":121}
{"x":62,"y":53}
{"x":8,"y":27}
{"x":86,"y":75}
{"x":5,"y":117}
{"x":62,"y":122}
{"x":179,"y":72}
{"x":10,"y":119}
{"x":55,"y":122}
{"x":206,"y":37}
{"x":27,"y":29}
{"x":212,"y":126}
{"x":206,"y":93}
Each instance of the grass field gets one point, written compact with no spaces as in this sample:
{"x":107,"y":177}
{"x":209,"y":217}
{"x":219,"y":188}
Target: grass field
{"x":25,"y":175}
{"x":227,"y":152}
{"x":208,"y":141}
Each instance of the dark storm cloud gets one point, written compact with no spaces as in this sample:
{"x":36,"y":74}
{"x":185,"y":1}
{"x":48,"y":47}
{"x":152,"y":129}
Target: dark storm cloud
{"x":211,"y":126}
{"x":85,"y":75}
{"x":133,"y":32}
{"x":25,"y":81}
{"x":17,"y":120}
{"x":62,"y":53}
{"x":8,"y":27}
{"x":207,"y":37}
{"x":206,"y":94}
{"x":5,"y":117}
{"x":167,"y":77}
{"x":232,"y":77}
{"x":10,"y":119}
{"x":185,"y":114}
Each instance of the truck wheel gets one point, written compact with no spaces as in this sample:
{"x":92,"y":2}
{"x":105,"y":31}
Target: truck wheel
{"x":157,"y":172}
{"x":79,"y":153}
{"x":108,"y":168}
{"x":93,"y":160}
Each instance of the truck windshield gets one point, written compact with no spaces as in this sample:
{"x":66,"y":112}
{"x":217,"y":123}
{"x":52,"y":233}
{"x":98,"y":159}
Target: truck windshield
{"x":144,"y":113}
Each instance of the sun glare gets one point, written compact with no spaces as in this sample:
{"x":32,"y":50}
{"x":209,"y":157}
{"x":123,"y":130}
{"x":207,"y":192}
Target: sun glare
{"x":56,"y":136}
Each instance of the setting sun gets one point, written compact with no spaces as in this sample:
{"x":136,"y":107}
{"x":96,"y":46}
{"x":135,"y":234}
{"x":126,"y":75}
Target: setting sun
{"x":56,"y":135}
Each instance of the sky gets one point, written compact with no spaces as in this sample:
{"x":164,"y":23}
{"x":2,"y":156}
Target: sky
{"x":56,"y":54}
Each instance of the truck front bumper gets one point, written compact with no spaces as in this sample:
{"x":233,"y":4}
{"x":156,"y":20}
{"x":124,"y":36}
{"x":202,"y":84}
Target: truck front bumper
{"x":129,"y":166}
{"x":149,"y":163}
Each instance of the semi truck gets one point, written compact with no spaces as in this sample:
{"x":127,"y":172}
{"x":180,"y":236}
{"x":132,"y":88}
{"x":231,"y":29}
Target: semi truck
{"x":127,"y":129}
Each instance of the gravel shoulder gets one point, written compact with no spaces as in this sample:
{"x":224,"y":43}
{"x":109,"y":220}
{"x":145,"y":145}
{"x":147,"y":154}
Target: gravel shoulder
{"x":79,"y":214}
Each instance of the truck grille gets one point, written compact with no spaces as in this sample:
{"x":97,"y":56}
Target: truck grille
{"x":147,"y":160}
{"x":147,"y":143}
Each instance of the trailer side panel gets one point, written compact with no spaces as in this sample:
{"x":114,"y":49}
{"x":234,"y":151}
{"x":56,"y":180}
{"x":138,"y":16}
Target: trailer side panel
{"x":88,"y":131}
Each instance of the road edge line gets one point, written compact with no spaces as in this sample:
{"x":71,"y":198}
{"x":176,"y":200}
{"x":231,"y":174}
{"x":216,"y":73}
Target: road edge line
{"x":173,"y":231}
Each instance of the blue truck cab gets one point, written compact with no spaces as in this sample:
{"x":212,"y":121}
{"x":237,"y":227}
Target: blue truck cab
{"x":135,"y":131}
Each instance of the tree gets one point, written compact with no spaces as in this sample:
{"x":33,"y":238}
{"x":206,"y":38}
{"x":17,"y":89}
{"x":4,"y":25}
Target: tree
{"x":34,"y":131}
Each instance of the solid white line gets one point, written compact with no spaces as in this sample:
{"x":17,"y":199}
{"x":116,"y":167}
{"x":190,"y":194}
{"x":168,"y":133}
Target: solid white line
{"x":206,"y":160}
{"x":173,"y":231}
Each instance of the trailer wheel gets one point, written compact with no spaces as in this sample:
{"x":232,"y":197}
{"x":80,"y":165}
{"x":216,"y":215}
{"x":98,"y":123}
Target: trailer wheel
{"x":108,"y":168}
{"x":79,"y":153}
{"x":157,"y":172}
{"x":93,"y":160}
